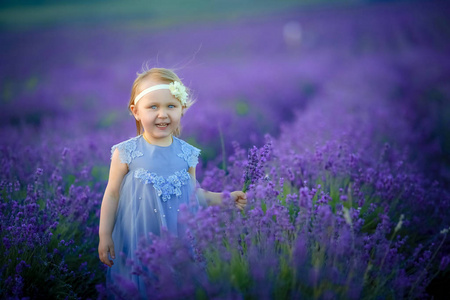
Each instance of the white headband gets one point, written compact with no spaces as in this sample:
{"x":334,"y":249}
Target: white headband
{"x":177,"y":89}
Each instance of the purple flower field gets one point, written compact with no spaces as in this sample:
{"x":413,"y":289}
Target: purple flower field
{"x":336,"y":121}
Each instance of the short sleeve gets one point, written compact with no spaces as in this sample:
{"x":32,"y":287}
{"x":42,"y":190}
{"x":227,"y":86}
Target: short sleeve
{"x":189,"y":153}
{"x":127,"y":150}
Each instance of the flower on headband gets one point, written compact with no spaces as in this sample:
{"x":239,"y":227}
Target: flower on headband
{"x":178,"y":91}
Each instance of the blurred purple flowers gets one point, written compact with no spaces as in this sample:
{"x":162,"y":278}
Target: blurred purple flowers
{"x":348,"y":195}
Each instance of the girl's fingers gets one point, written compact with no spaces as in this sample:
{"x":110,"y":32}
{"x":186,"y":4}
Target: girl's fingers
{"x":106,"y":262}
{"x":239,"y":194}
{"x":241,"y":201}
{"x":240,"y":206}
{"x":104,"y":259}
{"x":113,"y":254}
{"x":242,"y":195}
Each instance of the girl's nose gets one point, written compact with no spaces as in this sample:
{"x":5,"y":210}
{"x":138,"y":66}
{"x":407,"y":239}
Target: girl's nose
{"x":162,"y":114}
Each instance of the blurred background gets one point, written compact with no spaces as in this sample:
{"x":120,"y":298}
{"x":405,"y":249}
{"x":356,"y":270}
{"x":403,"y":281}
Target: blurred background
{"x":67,"y":66}
{"x":322,"y":77}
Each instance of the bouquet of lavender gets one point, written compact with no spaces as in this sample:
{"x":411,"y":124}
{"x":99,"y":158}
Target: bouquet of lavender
{"x":254,"y":170}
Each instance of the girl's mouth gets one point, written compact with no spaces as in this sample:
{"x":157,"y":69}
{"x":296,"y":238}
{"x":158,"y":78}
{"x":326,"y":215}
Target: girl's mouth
{"x":162,"y":125}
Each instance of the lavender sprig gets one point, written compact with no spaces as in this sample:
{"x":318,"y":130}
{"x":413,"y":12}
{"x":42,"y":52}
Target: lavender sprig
{"x":254,"y":170}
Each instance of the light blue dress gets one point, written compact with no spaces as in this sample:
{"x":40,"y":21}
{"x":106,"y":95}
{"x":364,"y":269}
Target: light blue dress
{"x":156,"y":184}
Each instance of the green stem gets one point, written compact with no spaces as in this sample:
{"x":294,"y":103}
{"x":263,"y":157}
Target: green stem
{"x":222,"y":144}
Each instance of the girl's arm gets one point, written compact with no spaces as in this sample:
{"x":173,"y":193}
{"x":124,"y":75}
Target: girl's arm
{"x":239,"y":197}
{"x":109,"y":206}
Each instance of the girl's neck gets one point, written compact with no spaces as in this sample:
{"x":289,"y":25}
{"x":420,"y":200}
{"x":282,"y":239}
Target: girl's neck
{"x":162,"y":143}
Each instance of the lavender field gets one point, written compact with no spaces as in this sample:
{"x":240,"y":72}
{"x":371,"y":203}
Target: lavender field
{"x":338,"y":116}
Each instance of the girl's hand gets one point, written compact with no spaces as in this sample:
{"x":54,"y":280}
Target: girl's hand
{"x":106,"y":246}
{"x":239,"y":198}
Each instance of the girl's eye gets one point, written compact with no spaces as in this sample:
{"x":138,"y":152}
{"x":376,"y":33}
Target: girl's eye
{"x":171,"y":106}
{"x":153,"y":107}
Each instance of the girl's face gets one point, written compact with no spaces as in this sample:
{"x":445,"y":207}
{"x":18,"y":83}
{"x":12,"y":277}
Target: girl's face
{"x":159,"y":113}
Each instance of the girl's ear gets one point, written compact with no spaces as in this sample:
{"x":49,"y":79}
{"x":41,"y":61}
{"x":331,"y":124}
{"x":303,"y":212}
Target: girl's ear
{"x":183,"y":110}
{"x":134,"y":111}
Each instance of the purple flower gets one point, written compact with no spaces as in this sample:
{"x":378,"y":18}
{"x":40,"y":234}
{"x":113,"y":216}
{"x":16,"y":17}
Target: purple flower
{"x":254,"y":170}
{"x":444,"y":263}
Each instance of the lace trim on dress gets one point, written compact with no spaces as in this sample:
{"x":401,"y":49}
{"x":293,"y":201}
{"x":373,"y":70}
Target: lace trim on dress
{"x":165,"y":187}
{"x":190,"y":153}
{"x":127,"y":150}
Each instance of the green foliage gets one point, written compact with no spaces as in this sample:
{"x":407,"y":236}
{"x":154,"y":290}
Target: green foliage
{"x":135,"y":12}
{"x":66,"y":272}
{"x":331,"y":185}
{"x":31,"y":83}
{"x":108,"y":119}
{"x":58,"y":263}
{"x":100,"y":173}
{"x":242,"y":108}
{"x":285,"y":280}
{"x":263,"y":206}
{"x":7,"y":91}
{"x":235,"y":270}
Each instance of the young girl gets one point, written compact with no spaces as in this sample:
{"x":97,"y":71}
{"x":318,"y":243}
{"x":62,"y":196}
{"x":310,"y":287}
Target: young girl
{"x":151,"y":175}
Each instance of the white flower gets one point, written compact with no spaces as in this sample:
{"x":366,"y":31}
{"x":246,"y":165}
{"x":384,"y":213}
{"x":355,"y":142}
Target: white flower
{"x":178,"y":91}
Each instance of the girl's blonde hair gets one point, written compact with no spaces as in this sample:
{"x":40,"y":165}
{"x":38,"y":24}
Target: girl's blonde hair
{"x":165,"y":76}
